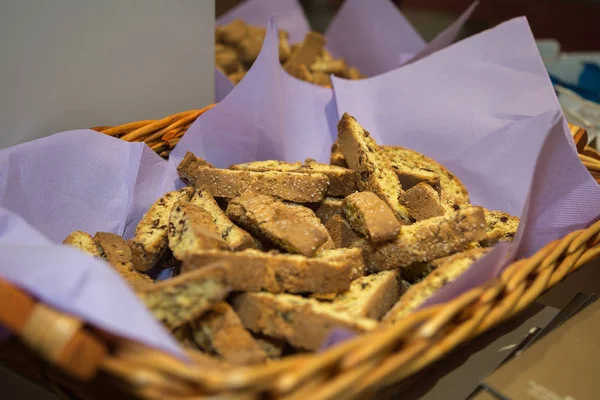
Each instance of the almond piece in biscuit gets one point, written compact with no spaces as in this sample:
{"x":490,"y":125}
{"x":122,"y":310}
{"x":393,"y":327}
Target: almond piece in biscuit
{"x":150,"y":238}
{"x":341,"y":232}
{"x":447,"y":270}
{"x":290,"y":186}
{"x":342,"y":181}
{"x":501,"y":227}
{"x":252,"y":270}
{"x":429,"y":239}
{"x":182,"y":299}
{"x":371,"y":216}
{"x":364,"y":156}
{"x":236,"y":237}
{"x":304,"y":323}
{"x":327,"y":208}
{"x":220,"y":331}
{"x":192,"y":229}
{"x":82,"y":241}
{"x":118,"y":254}
{"x":423,"y":202}
{"x":188,"y":167}
{"x":286,"y":227}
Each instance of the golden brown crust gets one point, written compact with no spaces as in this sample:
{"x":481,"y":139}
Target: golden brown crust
{"x":182,"y":299}
{"x":364,"y":156}
{"x":446,"y":270}
{"x":430,"y":239}
{"x":370,"y":296}
{"x":371,"y":216}
{"x":342,"y":181}
{"x":118,"y":254}
{"x":82,"y":241}
{"x":188,"y":167}
{"x":310,"y":48}
{"x":236,"y":237}
{"x":287,"y":227}
{"x":341,"y":232}
{"x":291,"y":186}
{"x":252,"y":270}
{"x":337,"y":157}
{"x":192,"y":229}
{"x":150,"y":238}
{"x":220,"y":331}
{"x":423,"y":202}
{"x":304,"y":323}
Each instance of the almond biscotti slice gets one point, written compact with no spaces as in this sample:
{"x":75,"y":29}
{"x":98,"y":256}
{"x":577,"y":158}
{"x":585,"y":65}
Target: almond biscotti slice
{"x":304,"y":323}
{"x":364,"y":156}
{"x":341,"y":232}
{"x":447,"y":270}
{"x":423,"y":202}
{"x":370,"y":296}
{"x":236,"y":237}
{"x":150,"y":238}
{"x":403,"y":160}
{"x":342,"y":181}
{"x":252,"y":270}
{"x":310,"y":217}
{"x":82,"y":241}
{"x":327,"y":208}
{"x":291,"y":186}
{"x":220,"y":331}
{"x":429,"y":239}
{"x":371,"y":216}
{"x":182,"y":299}
{"x":271,"y":346}
{"x":288,"y":227}
{"x":188,"y":167}
{"x":192,"y":229}
{"x":118,"y":254}
{"x":501,"y":227}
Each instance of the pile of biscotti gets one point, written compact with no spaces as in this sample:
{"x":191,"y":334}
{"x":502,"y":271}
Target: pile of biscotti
{"x":238,"y":45}
{"x":272,"y":256}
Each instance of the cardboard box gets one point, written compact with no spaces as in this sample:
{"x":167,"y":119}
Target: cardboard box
{"x":563,"y":365}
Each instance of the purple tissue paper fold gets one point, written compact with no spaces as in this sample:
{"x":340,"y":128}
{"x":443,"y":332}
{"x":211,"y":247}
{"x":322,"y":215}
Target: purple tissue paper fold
{"x":268,"y":115}
{"x":79,"y":180}
{"x":502,"y":133}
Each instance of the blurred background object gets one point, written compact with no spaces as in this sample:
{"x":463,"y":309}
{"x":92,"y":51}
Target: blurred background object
{"x":567,"y":32}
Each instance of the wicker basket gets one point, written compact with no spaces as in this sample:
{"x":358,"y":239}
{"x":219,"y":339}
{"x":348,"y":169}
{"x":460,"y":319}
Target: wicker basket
{"x":78,"y":361}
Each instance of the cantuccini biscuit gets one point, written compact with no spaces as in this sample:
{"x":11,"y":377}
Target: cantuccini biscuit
{"x":252,"y":270}
{"x":182,"y":299}
{"x":82,"y":241}
{"x":341,"y":232}
{"x":304,"y":323}
{"x":371,"y":216}
{"x":423,"y":202}
{"x":236,"y":237}
{"x":500,"y":226}
{"x":287,"y":227}
{"x":327,"y":208}
{"x":118,"y":254}
{"x":364,"y":156}
{"x":429,"y":239}
{"x":150,"y":238}
{"x":219,"y":331}
{"x":446,"y":270}
{"x":192,"y":229}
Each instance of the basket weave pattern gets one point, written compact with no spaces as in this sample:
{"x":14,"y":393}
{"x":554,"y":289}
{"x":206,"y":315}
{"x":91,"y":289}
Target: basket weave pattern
{"x":82,"y":359}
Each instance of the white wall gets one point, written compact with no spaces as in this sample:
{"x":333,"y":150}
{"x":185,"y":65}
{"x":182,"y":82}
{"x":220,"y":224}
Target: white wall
{"x":69,"y":64}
